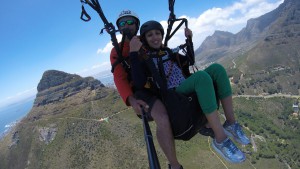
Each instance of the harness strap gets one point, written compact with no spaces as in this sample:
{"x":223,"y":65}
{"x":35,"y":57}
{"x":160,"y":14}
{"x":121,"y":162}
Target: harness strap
{"x":108,"y":26}
{"x":84,"y":13}
{"x":189,"y":43}
{"x":121,"y":59}
{"x":150,"y":64}
{"x":123,"y":62}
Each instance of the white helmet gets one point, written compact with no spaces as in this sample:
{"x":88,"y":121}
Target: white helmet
{"x":129,"y":13}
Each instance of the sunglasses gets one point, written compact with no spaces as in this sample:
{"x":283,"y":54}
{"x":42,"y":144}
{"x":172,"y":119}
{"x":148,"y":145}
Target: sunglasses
{"x":128,"y":22}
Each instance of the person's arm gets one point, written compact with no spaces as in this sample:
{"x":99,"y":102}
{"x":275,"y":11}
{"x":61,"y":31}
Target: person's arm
{"x":138,"y":67}
{"x":185,"y":62}
{"x":124,"y":87}
{"x":137,"y":105}
{"x":120,"y":79}
{"x":138,"y":71}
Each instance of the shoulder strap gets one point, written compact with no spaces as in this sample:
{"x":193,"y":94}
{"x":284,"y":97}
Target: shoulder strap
{"x":121,"y":60}
{"x":157,"y":78}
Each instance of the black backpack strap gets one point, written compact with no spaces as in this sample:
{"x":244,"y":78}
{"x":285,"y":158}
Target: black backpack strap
{"x":162,"y":84}
{"x":188,"y":47}
{"x":123,"y":62}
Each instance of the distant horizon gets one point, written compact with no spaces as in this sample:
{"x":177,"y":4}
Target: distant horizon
{"x":18,"y":100}
{"x":12,"y":113}
{"x":28,"y":95}
{"x":65,"y":43}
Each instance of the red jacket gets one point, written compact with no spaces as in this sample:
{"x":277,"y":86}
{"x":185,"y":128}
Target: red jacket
{"x":124,"y":87}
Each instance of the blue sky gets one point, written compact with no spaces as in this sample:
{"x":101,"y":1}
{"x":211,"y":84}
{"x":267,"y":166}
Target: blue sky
{"x":44,"y":35}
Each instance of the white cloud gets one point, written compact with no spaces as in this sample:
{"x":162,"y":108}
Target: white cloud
{"x":18,"y":97}
{"x":26,"y":92}
{"x":103,"y":65}
{"x":106,"y":49}
{"x":232,"y":19}
{"x":94,"y":69}
{"x":108,"y":46}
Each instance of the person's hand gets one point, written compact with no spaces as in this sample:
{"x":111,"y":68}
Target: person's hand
{"x":138,"y":105}
{"x":135,"y":44}
{"x":188,"y":33}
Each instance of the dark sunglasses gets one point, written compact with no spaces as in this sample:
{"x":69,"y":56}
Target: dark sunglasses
{"x":128,"y":22}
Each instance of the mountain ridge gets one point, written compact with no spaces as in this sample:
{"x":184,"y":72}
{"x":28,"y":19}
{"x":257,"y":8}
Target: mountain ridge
{"x":71,"y":132}
{"x":255,"y":30}
{"x":80,"y":123}
{"x":264,"y":56}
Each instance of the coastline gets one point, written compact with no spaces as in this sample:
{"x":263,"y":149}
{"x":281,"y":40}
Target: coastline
{"x":8,"y":128}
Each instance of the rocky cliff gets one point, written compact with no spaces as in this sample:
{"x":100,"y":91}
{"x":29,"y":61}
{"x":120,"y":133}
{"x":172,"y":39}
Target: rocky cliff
{"x":282,"y":22}
{"x":264,"y":57}
{"x":57,"y":85}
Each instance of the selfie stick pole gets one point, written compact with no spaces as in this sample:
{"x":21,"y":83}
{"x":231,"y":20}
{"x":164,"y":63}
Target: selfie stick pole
{"x":152,"y":156}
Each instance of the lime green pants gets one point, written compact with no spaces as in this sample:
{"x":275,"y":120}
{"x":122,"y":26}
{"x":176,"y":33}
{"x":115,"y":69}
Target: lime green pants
{"x":211,"y":85}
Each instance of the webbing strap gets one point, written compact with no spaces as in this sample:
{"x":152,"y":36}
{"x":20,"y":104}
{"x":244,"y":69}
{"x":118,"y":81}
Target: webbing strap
{"x":162,"y":84}
{"x":189,"y":43}
{"x":121,"y":61}
{"x":84,"y":14}
{"x":108,"y":26}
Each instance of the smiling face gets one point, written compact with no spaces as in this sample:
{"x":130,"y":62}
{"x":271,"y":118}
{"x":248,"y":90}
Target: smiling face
{"x":154,"y":38}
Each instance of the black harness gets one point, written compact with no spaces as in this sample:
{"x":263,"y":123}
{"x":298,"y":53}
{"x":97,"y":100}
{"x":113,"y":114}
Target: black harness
{"x":110,"y":29}
{"x":187,"y":48}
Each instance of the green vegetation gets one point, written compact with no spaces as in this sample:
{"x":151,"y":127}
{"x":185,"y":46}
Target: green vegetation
{"x":83,"y":142}
{"x":269,"y":118}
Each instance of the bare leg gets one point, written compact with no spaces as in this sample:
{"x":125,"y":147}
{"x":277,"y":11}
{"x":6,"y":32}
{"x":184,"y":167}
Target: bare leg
{"x":228,"y":109}
{"x":215,"y":124}
{"x":164,"y":133}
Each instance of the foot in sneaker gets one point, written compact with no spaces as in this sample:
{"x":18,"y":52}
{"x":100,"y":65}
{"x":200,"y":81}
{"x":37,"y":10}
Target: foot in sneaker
{"x":207,"y":132}
{"x":169,"y":166}
{"x":228,"y":150}
{"x":235,"y":130}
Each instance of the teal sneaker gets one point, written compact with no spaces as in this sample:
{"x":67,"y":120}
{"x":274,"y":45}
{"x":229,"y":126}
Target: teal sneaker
{"x":235,"y":130}
{"x":229,"y":151}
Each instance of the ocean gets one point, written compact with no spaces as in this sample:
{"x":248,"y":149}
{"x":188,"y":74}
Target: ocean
{"x":11,"y":114}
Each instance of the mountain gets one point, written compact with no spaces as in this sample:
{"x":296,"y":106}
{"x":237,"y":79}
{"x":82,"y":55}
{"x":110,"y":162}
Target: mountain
{"x":280,"y":43}
{"x":79,"y":123}
{"x":223,"y":44}
{"x":106,"y":77}
{"x":57,"y":85}
{"x":265,"y":52}
{"x":64,"y":128}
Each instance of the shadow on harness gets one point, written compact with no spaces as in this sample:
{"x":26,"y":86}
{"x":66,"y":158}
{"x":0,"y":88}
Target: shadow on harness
{"x":185,"y":114}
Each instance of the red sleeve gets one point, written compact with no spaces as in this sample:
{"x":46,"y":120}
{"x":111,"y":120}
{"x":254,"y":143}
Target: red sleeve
{"x":120,"y":75}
